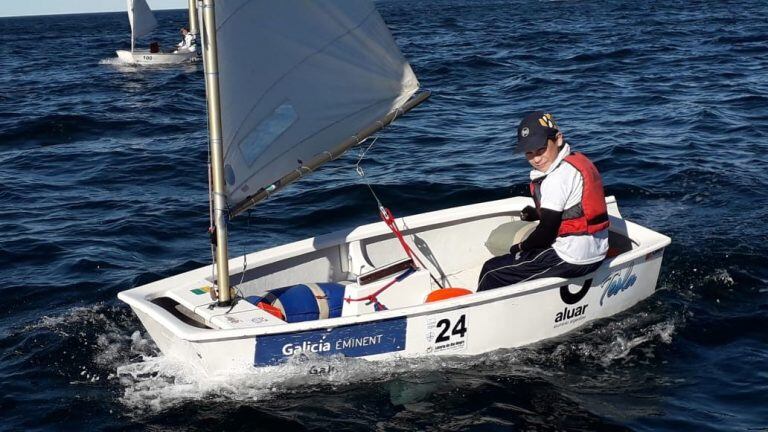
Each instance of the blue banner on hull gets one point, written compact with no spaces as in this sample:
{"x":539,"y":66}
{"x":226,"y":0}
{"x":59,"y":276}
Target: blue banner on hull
{"x":352,"y":341}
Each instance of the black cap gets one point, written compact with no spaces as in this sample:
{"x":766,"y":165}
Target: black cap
{"x":534,"y":130}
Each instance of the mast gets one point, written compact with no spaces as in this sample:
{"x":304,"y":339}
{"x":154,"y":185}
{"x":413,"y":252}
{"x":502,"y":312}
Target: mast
{"x":132,"y":17}
{"x":193,"y":17}
{"x":217,"y":152}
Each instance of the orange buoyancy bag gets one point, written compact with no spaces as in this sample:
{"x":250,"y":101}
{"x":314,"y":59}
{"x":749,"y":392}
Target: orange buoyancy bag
{"x":446,"y":293}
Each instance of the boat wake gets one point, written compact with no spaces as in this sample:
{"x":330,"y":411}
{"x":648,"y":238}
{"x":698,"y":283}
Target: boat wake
{"x":105,"y":345}
{"x":110,"y":350}
{"x":618,"y":341}
{"x":93,"y":341}
{"x":157,"y":383}
{"x":114,"y":61}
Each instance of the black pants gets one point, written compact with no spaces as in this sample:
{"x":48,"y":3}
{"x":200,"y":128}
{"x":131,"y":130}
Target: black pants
{"x":534,"y":264}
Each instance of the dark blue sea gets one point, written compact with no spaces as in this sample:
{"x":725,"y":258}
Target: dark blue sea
{"x":103,"y":187}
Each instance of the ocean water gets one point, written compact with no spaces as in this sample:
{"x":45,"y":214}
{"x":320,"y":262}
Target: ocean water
{"x":103,"y":188}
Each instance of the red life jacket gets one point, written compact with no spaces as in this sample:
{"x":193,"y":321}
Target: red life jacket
{"x":591,"y":214}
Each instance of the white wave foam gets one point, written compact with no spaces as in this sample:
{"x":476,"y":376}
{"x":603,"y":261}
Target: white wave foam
{"x":618,"y":340}
{"x":158,"y":383}
{"x":721,"y":276}
{"x":125,"y":356}
{"x":60,"y":323}
{"x":111,"y":61}
{"x":622,"y":346}
{"x":106,"y":334}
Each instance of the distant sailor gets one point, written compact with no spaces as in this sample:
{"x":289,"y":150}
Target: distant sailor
{"x":571,"y":239}
{"x":188,"y":41}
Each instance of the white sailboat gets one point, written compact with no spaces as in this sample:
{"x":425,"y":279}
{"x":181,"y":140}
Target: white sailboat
{"x":325,"y":76}
{"x":142,"y":22}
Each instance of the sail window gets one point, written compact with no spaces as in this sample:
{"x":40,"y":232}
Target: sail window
{"x":229,"y":174}
{"x":267,"y":132}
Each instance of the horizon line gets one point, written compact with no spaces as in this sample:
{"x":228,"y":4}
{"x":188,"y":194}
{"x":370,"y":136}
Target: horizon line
{"x":82,"y":13}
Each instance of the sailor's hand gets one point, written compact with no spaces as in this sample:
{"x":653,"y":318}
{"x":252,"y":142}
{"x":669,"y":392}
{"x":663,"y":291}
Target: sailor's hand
{"x":529,"y":214}
{"x":514,"y":249}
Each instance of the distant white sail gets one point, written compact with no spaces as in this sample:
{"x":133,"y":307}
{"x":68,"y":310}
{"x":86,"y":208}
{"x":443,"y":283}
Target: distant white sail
{"x":141,"y":17}
{"x":297,"y":78}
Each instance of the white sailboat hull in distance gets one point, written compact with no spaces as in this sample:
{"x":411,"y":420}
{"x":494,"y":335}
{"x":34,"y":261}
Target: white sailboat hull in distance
{"x":144,"y":57}
{"x":452,"y":243}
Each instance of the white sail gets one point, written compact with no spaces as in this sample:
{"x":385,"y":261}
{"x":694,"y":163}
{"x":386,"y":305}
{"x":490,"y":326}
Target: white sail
{"x":141,"y":17}
{"x":296,"y":79}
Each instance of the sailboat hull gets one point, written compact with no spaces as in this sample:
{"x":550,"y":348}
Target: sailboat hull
{"x":144,"y":57}
{"x":176,"y":312}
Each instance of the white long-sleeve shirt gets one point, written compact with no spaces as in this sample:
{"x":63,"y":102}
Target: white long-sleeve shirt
{"x":562,"y":189}
{"x":188,"y":44}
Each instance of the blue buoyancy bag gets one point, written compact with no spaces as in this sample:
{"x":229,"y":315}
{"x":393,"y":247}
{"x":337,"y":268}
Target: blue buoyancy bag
{"x":305,"y":302}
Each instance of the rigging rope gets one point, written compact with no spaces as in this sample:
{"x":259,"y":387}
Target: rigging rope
{"x":373,"y":297}
{"x":386,"y":215}
{"x":211,"y":231}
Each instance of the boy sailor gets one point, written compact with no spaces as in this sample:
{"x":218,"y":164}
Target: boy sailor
{"x":571,"y":239}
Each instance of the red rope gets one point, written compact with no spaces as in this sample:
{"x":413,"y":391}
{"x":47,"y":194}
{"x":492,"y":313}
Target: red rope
{"x":373,"y":296}
{"x":388,"y":219}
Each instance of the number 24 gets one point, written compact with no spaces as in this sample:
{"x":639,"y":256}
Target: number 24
{"x":460,"y":328}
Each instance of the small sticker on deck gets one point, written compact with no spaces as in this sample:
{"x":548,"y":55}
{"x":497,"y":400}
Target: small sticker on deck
{"x":351,"y":341}
{"x":199,"y":291}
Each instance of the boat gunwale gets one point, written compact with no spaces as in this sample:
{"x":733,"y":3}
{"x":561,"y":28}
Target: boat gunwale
{"x":178,"y":57}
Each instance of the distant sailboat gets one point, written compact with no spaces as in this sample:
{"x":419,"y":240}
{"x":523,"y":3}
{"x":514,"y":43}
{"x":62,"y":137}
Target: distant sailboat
{"x":325,"y":76}
{"x":142,"y":23}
